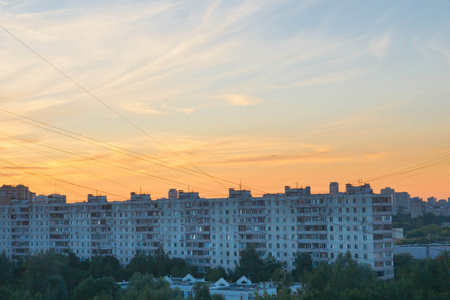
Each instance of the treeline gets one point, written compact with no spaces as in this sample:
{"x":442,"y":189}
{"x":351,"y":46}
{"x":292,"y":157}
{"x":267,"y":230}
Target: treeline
{"x":52,"y":276}
{"x":405,"y":221}
{"x":424,"y":229}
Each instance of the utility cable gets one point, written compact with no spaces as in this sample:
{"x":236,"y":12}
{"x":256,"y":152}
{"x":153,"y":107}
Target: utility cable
{"x":106,"y":105}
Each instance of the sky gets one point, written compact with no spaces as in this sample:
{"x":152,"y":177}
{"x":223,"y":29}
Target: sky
{"x":112,"y":97}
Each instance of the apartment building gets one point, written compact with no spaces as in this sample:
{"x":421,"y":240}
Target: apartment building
{"x":207,"y":232}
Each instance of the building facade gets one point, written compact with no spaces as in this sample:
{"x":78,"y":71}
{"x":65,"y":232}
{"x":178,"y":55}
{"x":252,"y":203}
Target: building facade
{"x":207,"y":232}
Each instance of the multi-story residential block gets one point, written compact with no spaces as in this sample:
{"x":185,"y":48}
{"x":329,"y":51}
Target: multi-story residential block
{"x":207,"y":232}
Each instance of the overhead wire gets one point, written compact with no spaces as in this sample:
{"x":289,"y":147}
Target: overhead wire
{"x":68,"y":164}
{"x":143,"y":157}
{"x":15,"y":179}
{"x":109,"y":146}
{"x":106,"y":105}
{"x":107,"y":163}
{"x":39,"y":176}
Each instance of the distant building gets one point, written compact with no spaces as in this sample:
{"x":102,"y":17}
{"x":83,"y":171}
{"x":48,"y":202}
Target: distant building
{"x":334,"y":188}
{"x":438,"y":209}
{"x":387,"y":190}
{"x":173,"y":194}
{"x":400,"y":200}
{"x":422,"y":251}
{"x":431,"y":200}
{"x":397,"y":234}
{"x":19,"y":192}
{"x":417,"y":207}
{"x":50,"y":199}
{"x":359,"y":189}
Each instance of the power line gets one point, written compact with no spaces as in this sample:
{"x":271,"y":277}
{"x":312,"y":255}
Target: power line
{"x":162,"y":163}
{"x":106,"y":105}
{"x":106,"y":163}
{"x":42,"y":175}
{"x":108,"y":146}
{"x":68,"y":164}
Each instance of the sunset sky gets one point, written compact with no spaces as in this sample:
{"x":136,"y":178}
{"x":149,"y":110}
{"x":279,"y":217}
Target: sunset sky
{"x":112,"y":97}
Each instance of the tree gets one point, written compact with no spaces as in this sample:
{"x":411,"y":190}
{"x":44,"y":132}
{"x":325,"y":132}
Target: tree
{"x":218,"y":297}
{"x":73,"y":271}
{"x":90,"y":288}
{"x":303,"y":265}
{"x":159,"y":265}
{"x":146,"y":287}
{"x":6,"y":269}
{"x":254,"y":267}
{"x":138,"y":264}
{"x":344,"y":278}
{"x":43,"y":275}
{"x":105,"y":266}
{"x":215,"y":274}
{"x":251,"y":265}
{"x":201,"y":291}
{"x":271,"y":265}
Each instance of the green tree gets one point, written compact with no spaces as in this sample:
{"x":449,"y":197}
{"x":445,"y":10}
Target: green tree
{"x":90,"y":288}
{"x":254,"y":267}
{"x":145,"y":287}
{"x":105,"y":266}
{"x":6,"y":269}
{"x":251,"y":265}
{"x":43,"y":275}
{"x":138,"y":264}
{"x":159,"y":264}
{"x":201,"y":291}
{"x":215,"y":274}
{"x":270,"y":266}
{"x":344,"y":278}
{"x":218,"y":297}
{"x":303,"y":265}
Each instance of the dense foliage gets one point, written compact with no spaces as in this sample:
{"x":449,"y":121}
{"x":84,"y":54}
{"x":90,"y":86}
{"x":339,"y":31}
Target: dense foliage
{"x":425,"y":229}
{"x":51,"y":276}
{"x":404,"y":220}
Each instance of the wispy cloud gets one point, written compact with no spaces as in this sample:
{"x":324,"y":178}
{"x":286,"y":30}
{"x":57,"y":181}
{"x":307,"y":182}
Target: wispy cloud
{"x":146,"y":108}
{"x":379,"y":46}
{"x":239,"y":99}
{"x":140,"y":108}
{"x":327,"y":78}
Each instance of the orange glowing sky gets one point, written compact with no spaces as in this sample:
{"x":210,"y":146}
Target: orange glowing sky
{"x":204,"y":96}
